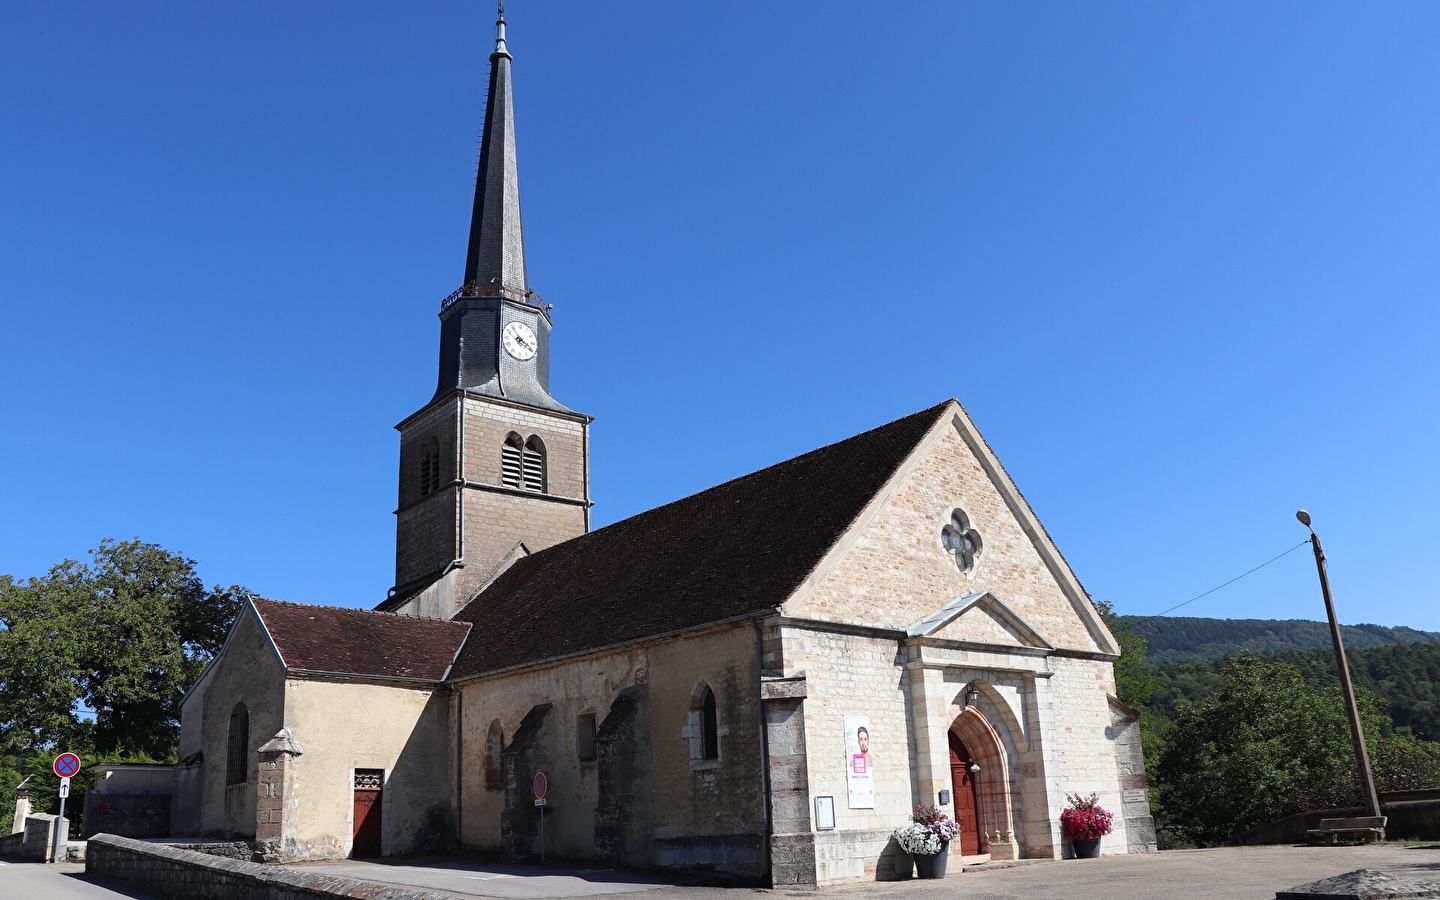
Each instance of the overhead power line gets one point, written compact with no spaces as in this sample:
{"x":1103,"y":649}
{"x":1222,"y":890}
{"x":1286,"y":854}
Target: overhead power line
{"x":1226,"y":584}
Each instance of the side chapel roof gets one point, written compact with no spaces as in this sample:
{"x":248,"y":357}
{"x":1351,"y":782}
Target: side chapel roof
{"x":736,"y":549}
{"x":360,"y":642}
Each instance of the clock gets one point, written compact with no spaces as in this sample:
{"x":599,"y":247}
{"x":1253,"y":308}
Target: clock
{"x":519,"y":340}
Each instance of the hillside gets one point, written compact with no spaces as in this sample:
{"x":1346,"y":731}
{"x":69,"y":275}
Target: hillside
{"x":1182,"y":638}
{"x":1405,"y":678}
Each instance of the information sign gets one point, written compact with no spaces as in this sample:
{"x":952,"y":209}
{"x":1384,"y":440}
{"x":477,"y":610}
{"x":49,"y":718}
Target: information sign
{"x":64,"y":788}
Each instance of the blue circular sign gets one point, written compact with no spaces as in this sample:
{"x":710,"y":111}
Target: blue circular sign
{"x":67,"y":764}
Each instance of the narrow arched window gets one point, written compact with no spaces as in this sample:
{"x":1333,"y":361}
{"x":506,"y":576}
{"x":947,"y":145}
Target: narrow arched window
{"x":535,"y":464}
{"x":429,"y":467}
{"x":494,"y":746}
{"x":510,"y":460}
{"x":709,"y":727}
{"x":237,"y":751}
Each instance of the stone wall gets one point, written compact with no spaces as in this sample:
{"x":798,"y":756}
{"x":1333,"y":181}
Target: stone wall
{"x":245,"y":672}
{"x":177,"y":874}
{"x":854,"y":675}
{"x":140,"y":814}
{"x":1415,"y":820}
{"x":707,"y":815}
{"x":36,"y":842}
{"x":625,"y":802}
{"x":894,"y":570}
{"x":1124,"y":732}
{"x":345,"y":725}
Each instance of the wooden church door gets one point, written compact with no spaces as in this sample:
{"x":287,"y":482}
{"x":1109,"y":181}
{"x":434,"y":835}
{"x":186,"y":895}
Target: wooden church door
{"x":966,"y":801}
{"x":368,"y":788}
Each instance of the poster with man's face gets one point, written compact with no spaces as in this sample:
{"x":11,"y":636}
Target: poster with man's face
{"x":859,"y":762}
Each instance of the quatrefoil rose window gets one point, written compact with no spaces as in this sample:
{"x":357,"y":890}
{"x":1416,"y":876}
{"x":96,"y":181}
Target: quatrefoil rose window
{"x":961,"y":541}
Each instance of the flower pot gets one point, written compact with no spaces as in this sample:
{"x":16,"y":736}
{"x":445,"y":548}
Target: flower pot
{"x":933,"y":865}
{"x":1086,"y":849}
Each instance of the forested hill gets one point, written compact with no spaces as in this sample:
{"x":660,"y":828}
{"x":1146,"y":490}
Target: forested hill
{"x":1182,"y":638}
{"x":1405,"y":678}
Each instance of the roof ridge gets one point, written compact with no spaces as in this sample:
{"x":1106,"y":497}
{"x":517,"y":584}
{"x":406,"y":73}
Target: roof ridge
{"x":757,"y":472}
{"x":356,"y":609}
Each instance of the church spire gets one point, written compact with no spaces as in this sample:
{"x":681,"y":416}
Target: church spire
{"x":497,"y":246}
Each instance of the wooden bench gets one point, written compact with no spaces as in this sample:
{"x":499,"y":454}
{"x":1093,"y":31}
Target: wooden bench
{"x":1367,"y":828}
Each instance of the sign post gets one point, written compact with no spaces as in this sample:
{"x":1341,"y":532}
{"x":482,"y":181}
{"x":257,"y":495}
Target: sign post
{"x":65,"y":766}
{"x":540,"y":786}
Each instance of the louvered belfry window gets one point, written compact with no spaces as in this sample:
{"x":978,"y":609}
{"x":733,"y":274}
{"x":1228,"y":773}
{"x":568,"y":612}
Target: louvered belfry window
{"x":429,"y":468}
{"x":510,"y":460}
{"x":535,"y":464}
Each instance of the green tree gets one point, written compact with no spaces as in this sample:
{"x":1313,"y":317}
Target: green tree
{"x":1133,"y":682}
{"x":97,"y":655}
{"x":1265,"y":745}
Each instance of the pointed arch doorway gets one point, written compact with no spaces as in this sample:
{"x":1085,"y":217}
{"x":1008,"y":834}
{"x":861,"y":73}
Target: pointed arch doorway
{"x":967,"y":798}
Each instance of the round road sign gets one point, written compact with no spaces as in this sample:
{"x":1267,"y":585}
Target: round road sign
{"x":540,"y":785}
{"x":67,"y":765}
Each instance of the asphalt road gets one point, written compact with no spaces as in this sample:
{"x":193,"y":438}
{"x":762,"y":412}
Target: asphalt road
{"x":1232,"y":873}
{"x":493,"y":879}
{"x":1239,"y":873}
{"x":66,"y":881}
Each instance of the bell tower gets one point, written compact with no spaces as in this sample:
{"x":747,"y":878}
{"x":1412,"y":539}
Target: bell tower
{"x":492,"y":467}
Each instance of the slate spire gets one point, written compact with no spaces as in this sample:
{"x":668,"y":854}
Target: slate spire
{"x":497,"y":246}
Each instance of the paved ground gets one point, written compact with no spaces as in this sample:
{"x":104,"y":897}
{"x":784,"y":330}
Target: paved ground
{"x":1232,"y":873}
{"x":34,"y":881}
{"x":1246,"y":873}
{"x":1240,"y":873}
{"x":492,"y":879}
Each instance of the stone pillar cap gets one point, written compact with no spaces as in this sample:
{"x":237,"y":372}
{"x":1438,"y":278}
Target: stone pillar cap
{"x":283,"y":742}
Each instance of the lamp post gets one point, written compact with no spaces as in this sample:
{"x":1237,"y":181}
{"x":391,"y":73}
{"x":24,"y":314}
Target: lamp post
{"x":1362,"y":756}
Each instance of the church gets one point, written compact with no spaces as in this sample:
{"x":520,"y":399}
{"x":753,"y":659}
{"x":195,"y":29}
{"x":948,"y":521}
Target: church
{"x":757,"y":682}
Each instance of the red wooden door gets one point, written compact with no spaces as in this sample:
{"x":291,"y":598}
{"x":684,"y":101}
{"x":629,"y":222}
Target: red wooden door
{"x":966,"y":803}
{"x":367,"y":823}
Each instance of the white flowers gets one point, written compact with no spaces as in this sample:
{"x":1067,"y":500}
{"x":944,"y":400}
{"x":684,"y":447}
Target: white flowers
{"x":917,"y":840}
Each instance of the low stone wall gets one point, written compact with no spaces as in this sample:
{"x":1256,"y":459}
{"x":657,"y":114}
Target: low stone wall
{"x":10,"y":844}
{"x":1417,"y":820}
{"x":857,"y":855}
{"x":227,"y":849}
{"x":36,"y":841}
{"x":176,"y":874}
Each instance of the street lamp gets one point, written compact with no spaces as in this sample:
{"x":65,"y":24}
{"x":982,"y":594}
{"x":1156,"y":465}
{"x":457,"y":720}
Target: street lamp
{"x":1362,"y":756}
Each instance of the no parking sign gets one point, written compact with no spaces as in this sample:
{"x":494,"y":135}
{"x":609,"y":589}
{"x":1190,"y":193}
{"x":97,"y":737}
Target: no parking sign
{"x":67,"y":765}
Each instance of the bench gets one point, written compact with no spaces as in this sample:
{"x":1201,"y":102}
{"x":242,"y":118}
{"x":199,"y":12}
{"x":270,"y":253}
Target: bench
{"x":1367,"y":828}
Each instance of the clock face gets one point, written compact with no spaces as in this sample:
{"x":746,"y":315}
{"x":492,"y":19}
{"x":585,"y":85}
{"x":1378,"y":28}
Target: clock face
{"x":519,"y":340}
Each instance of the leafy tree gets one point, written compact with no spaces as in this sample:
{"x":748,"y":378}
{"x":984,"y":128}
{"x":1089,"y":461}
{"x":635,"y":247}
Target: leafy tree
{"x":121,"y":636}
{"x":1265,"y":745}
{"x":1133,"y":681}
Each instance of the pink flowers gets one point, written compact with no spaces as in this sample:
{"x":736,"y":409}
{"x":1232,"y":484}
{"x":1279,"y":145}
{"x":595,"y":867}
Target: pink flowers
{"x":1086,"y":819}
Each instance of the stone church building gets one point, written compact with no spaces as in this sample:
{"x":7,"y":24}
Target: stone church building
{"x":759,"y":681}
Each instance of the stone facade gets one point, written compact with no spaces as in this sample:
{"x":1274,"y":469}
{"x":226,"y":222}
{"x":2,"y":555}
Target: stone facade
{"x":308,"y":735}
{"x":247,"y":672}
{"x":474,"y":521}
{"x":644,"y":797}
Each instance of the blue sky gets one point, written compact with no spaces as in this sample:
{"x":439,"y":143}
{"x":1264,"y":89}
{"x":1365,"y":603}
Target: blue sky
{"x":1178,"y":261}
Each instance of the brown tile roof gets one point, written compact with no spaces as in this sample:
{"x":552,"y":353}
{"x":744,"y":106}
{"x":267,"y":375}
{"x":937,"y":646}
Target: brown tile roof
{"x":360,"y":641}
{"x":739,"y":548}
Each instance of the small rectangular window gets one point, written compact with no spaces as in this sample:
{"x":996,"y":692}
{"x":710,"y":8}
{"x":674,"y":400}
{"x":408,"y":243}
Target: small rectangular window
{"x":585,"y":736}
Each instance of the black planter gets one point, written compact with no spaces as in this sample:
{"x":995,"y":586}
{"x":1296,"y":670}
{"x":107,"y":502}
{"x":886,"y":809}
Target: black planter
{"x":1086,"y":849}
{"x":933,"y":866}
